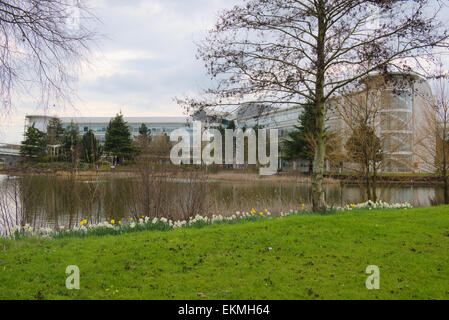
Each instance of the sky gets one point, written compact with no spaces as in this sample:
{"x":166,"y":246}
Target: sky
{"x":143,"y":60}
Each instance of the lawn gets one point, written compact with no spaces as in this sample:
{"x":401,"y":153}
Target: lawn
{"x":298,"y":257}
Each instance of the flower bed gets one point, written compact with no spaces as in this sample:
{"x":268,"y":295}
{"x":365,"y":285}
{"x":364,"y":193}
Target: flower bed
{"x":113,"y":227}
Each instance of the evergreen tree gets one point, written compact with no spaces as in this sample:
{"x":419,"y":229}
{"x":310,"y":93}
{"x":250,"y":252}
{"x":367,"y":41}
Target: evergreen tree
{"x":144,"y":131}
{"x":141,"y":145}
{"x":91,"y":150}
{"x":55,"y":136}
{"x":55,"y":132}
{"x":34,"y":146}
{"x":231,"y":125}
{"x":71,"y":143}
{"x":118,"y":139}
{"x":300,"y":142}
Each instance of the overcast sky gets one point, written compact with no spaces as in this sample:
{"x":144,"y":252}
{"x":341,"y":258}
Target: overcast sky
{"x":146,"y":58}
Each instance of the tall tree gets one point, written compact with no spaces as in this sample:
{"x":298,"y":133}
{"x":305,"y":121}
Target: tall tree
{"x":91,"y":147}
{"x":72,"y":145}
{"x":432,"y":142}
{"x":365,"y":148}
{"x":300,"y":142}
{"x":143,"y":130}
{"x":293,"y":51}
{"x":55,"y":132}
{"x":367,"y":119}
{"x":118,"y":139}
{"x":42,"y":46}
{"x":143,"y":141}
{"x":34,"y":146}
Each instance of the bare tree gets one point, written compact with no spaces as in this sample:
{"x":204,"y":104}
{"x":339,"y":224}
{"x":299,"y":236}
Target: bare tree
{"x":433,"y":135}
{"x":360,"y":114}
{"x":289,"y":52}
{"x":42,"y":43}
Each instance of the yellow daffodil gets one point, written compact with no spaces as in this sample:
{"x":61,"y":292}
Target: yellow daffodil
{"x":112,"y":221}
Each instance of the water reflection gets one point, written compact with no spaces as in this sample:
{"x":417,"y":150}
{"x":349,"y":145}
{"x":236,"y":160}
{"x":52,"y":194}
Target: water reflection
{"x":48,"y":201}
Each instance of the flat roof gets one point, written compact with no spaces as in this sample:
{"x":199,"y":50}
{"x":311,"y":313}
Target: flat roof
{"x":105,"y":120}
{"x":130,"y":120}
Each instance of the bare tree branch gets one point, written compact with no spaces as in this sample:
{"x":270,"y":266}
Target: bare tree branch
{"x":42,"y":45}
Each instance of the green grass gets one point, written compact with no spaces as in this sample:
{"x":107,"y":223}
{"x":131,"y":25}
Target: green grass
{"x":312,"y":257}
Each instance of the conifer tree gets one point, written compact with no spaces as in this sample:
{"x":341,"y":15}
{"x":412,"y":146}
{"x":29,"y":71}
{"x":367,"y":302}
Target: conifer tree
{"x":118,"y":139}
{"x":34,"y":146}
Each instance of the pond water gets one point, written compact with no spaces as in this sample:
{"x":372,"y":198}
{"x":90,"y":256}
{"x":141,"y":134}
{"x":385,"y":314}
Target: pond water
{"x":48,"y":201}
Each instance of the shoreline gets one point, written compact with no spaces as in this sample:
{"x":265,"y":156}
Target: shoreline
{"x":348,"y":179}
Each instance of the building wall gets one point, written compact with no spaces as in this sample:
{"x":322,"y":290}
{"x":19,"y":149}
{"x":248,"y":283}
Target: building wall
{"x":401,"y":105}
{"x":157,"y":126}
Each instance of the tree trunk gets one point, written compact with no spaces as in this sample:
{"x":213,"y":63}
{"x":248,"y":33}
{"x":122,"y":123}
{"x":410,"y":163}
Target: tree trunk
{"x":318,"y":197}
{"x":368,"y":180}
{"x":374,"y":184}
{"x":446,"y":188}
{"x":368,"y":185}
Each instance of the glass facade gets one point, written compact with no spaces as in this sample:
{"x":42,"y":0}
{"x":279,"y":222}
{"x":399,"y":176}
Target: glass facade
{"x":397,"y":129}
{"x":98,"y":126}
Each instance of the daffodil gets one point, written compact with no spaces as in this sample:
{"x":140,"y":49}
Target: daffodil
{"x":112,"y":221}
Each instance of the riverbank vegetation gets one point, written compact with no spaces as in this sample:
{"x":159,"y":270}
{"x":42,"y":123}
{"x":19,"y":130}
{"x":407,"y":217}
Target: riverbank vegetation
{"x":145,"y":223}
{"x":298,"y":257}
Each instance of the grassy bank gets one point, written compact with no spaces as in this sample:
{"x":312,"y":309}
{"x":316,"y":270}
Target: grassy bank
{"x":299,"y":257}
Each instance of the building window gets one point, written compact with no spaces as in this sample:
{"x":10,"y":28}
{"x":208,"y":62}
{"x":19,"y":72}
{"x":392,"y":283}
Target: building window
{"x":398,"y":100}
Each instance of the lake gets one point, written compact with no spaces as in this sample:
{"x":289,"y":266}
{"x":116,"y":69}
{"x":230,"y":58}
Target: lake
{"x":49,"y":201}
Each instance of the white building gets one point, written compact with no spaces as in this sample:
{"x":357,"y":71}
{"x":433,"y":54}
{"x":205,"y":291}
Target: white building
{"x":398,"y":122}
{"x":98,"y":125}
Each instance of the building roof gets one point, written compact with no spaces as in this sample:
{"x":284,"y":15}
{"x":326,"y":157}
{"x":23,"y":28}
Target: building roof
{"x":130,"y":120}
